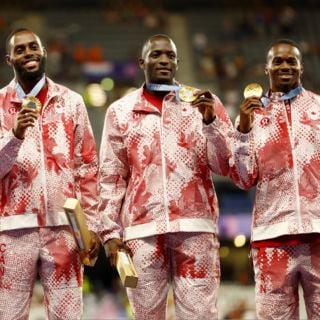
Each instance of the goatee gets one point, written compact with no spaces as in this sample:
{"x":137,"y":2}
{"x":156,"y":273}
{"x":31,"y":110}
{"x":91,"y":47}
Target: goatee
{"x":31,"y":75}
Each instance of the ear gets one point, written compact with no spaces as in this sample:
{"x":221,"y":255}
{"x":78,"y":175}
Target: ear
{"x":266,"y":72}
{"x":302,"y":68}
{"x":8,"y":61}
{"x":45,"y":53}
{"x":141,"y":63}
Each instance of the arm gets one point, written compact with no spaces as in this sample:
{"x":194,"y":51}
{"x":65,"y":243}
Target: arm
{"x":114,"y":169}
{"x":86,"y":168}
{"x":218,"y":129}
{"x":243,"y":165}
{"x":244,"y":169}
{"x":85,"y":172}
{"x":9,"y":149}
{"x":11,"y":142}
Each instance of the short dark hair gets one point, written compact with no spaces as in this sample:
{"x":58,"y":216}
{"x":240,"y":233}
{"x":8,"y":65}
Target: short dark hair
{"x":12,"y":33}
{"x":285,"y":41}
{"x":152,"y":38}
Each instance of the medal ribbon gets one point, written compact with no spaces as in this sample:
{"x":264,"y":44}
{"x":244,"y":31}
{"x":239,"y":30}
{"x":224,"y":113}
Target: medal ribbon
{"x":164,"y":87}
{"x":34,"y":92}
{"x":289,"y":95}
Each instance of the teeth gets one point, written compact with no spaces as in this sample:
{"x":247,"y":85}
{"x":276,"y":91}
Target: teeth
{"x":31,"y":63}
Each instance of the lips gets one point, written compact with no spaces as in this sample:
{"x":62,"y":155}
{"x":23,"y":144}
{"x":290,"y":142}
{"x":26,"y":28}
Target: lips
{"x":164,"y":71}
{"x":31,"y":63}
{"x":285,"y":76}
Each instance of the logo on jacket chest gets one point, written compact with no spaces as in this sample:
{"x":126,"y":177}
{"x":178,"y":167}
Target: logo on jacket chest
{"x":186,"y":110}
{"x":13,"y":110}
{"x":264,"y":121}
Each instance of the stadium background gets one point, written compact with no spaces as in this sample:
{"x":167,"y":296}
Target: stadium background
{"x":93,"y":47}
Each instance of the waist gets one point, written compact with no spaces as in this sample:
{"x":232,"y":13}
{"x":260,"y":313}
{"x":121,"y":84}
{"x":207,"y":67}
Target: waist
{"x":286,"y":240}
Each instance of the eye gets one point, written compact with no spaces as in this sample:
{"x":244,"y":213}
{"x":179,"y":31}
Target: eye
{"x":154,"y":54}
{"x":34,"y":46}
{"x":293,"y":62}
{"x":277,"y":62}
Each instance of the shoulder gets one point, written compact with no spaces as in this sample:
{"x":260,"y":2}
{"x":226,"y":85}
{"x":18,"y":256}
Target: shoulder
{"x":62,"y":90}
{"x":126,"y":102}
{"x":8,"y":89}
{"x":307,"y":94}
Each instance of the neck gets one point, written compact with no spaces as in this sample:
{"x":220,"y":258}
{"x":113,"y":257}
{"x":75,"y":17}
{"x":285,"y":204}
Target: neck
{"x":28,"y":84}
{"x":285,"y":89}
{"x":159,"y":94}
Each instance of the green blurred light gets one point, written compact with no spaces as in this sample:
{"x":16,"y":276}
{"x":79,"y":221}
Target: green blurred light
{"x":107,"y":84}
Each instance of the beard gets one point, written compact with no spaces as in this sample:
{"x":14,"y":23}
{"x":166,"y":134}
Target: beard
{"x":26,"y":75}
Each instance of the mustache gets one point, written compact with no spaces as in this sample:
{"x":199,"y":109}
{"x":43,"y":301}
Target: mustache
{"x":31,"y":75}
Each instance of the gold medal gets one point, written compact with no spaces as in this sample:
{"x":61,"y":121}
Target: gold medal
{"x":31,"y":103}
{"x":187,"y":94}
{"x":253,"y":90}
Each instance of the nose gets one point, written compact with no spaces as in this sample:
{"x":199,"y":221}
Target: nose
{"x":285,"y":65}
{"x":28,"y":51}
{"x":163,"y":59}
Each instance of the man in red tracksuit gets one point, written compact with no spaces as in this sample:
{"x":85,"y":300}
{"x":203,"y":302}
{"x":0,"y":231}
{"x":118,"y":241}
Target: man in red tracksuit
{"x":158,"y":154}
{"x":47,"y":154}
{"x":277,"y":149}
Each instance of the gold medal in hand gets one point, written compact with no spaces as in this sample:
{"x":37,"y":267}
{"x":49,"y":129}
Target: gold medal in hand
{"x":31,"y":103}
{"x":253,"y":90}
{"x":187,"y":94}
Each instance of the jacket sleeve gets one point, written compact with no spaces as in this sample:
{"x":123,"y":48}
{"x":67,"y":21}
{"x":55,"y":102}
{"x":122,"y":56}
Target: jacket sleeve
{"x":86,"y":167}
{"x":9,"y":149}
{"x":219,"y":136}
{"x":113,"y":175}
{"x":243,"y":163}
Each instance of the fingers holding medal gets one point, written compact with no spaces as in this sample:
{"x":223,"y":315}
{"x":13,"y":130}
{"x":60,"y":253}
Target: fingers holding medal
{"x":201,"y":99}
{"x":193,"y":95}
{"x":32,"y":104}
{"x":252,"y":94}
{"x":253,"y":90}
{"x":187,"y":94}
{"x":27,"y":116}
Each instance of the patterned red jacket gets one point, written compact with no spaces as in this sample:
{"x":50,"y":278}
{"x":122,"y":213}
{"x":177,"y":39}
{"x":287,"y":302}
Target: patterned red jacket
{"x":57,"y":159}
{"x":156,"y":168}
{"x":283,"y":161}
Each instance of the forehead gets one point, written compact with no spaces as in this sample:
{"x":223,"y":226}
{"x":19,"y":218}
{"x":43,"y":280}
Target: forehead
{"x":160,"y":44}
{"x":23,"y":38}
{"x":284,"y":50}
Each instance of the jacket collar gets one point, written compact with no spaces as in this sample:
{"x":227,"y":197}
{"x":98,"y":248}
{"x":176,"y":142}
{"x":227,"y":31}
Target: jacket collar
{"x":53,"y":90}
{"x":143,"y":105}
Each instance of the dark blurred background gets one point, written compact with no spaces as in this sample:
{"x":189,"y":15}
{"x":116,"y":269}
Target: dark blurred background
{"x":93,"y":47}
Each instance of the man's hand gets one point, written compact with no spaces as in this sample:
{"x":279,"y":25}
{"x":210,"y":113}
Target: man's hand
{"x":112,"y":247}
{"x":25,"y":119}
{"x":247,"y":109}
{"x":205,"y":103}
{"x":95,"y":246}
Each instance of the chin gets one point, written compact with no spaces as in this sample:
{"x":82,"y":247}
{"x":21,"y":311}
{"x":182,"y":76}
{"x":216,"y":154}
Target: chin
{"x":32,"y":75}
{"x":164,"y":81}
{"x":285,"y":87}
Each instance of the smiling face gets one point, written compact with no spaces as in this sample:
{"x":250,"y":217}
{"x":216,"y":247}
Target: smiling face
{"x":159,"y":60}
{"x":284,"y":67}
{"x":27,"y":56}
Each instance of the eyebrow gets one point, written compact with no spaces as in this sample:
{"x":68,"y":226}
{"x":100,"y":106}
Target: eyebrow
{"x":26,"y":44}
